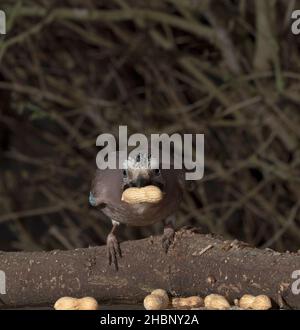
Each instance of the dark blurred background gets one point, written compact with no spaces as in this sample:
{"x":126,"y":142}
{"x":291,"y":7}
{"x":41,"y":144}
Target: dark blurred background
{"x":71,"y":70}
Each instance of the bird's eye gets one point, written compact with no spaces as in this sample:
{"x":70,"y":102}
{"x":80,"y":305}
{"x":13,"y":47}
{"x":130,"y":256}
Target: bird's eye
{"x":125,"y":173}
{"x":157,"y":171}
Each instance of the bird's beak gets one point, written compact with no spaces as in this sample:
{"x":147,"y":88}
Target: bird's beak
{"x":141,"y":181}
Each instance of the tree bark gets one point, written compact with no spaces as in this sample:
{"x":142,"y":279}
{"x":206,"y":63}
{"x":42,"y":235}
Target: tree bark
{"x":195,"y":265}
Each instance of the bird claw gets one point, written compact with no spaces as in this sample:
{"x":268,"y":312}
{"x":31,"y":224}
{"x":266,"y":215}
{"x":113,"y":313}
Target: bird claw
{"x":113,"y":250}
{"x":168,"y":238}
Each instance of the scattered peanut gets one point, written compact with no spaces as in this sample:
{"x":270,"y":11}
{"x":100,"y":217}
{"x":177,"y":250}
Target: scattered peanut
{"x":216,"y":301}
{"x":246,"y":301}
{"x":261,"y":302}
{"x":148,"y":194}
{"x":189,"y":302}
{"x":69,"y":303}
{"x":153,"y":302}
{"x":163,"y":295}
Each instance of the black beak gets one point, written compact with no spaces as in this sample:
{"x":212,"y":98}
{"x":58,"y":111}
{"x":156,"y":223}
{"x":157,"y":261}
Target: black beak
{"x":141,"y":182}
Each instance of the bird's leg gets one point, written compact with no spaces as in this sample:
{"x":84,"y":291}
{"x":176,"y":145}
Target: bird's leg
{"x":169,"y":233}
{"x":112,"y":245}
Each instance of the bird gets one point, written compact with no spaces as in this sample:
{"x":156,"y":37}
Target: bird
{"x":109,"y":184}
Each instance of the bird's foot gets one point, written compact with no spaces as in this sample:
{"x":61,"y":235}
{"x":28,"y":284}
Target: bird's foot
{"x":113,"y":250}
{"x":168,"y":238}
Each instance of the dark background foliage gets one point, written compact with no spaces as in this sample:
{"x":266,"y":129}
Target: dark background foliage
{"x":71,"y":70}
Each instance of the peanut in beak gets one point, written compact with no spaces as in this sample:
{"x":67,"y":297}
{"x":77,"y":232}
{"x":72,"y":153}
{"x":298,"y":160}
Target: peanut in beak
{"x":148,"y":194}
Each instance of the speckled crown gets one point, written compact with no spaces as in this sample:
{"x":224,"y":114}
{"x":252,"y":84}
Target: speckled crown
{"x":141,"y":161}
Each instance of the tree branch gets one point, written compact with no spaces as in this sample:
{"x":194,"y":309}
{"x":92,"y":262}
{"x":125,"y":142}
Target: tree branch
{"x":195,"y":265}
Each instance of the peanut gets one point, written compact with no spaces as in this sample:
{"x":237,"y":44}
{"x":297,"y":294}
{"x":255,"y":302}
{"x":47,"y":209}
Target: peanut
{"x":216,"y":301}
{"x":163,"y":295}
{"x":261,"y":302}
{"x":148,"y":194}
{"x":189,"y":302}
{"x":246,"y":301}
{"x":153,"y":302}
{"x":69,"y":303}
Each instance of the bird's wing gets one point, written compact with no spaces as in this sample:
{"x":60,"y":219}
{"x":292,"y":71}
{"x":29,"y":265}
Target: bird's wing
{"x":106,"y":187}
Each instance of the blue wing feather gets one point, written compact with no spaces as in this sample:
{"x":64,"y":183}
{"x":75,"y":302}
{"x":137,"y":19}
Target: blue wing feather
{"x":92,"y":199}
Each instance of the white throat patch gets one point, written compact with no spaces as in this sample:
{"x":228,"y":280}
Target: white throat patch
{"x":142,"y":161}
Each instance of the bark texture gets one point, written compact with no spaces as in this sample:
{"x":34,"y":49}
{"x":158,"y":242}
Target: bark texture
{"x":195,"y":265}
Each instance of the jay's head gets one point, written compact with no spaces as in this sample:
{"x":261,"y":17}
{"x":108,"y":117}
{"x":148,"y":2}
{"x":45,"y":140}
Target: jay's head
{"x":137,"y":172}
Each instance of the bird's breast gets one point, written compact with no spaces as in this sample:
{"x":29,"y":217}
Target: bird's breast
{"x":141,"y":214}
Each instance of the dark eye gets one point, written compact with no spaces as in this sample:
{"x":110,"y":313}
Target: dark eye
{"x":157,"y":171}
{"x":125,"y":173}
